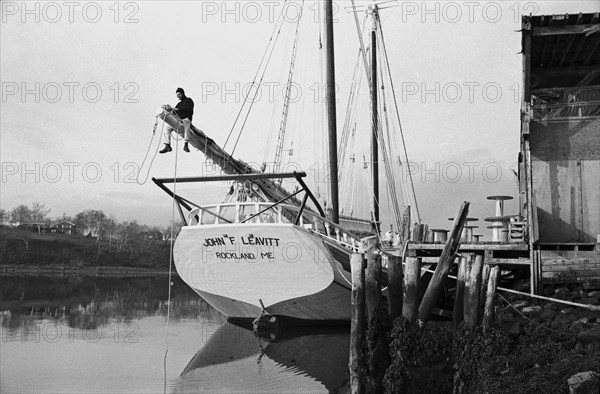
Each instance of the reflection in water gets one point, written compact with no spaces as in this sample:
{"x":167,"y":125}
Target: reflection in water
{"x":234,"y":359}
{"x":99,"y":334}
{"x":89,"y":303}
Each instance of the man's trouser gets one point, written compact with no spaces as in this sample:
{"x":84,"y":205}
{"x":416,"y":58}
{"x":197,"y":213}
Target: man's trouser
{"x":186,"y":131}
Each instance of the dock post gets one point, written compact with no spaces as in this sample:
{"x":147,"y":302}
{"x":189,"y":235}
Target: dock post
{"x":419,"y":232}
{"x":472,"y":288}
{"x":459,"y":293}
{"x":485,"y":271}
{"x":445,"y":264}
{"x":373,"y":283}
{"x":395,"y":298}
{"x":358,"y":322}
{"x":488,"y":316}
{"x":394,"y":270}
{"x":412,"y":276}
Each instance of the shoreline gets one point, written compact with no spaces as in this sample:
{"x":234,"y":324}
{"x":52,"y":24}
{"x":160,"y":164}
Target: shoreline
{"x":29,"y":270}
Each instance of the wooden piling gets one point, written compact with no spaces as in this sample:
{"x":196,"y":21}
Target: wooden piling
{"x":358,"y":322}
{"x":488,"y":316}
{"x":394,"y":270}
{"x":419,"y":232}
{"x":394,"y":273}
{"x":412,"y":275}
{"x":373,"y":283}
{"x":445,"y":264}
{"x":459,"y":293}
{"x":472,"y":289}
{"x":485,"y":274}
{"x":416,"y":233}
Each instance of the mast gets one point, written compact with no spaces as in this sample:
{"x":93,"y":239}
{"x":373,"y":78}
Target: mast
{"x":330,"y":99}
{"x":375,"y":122}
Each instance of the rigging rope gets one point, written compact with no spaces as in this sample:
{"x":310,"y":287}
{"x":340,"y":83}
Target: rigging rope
{"x":252,"y":102}
{"x":275,"y":106}
{"x":399,"y":122}
{"x":286,"y":101}
{"x":348,"y":139}
{"x":137,"y":176}
{"x":174,"y":201}
{"x":360,"y":40}
{"x":386,"y":140}
{"x":387,"y":154}
{"x":266,"y":55}
{"x":346,"y":129}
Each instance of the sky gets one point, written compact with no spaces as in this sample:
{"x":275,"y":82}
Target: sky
{"x":82,"y":81}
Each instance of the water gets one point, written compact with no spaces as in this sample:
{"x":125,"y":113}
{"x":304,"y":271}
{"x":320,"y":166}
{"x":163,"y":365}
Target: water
{"x":83,"y":334}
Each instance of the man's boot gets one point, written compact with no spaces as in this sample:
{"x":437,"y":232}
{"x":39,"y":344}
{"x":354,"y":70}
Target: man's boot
{"x":185,"y":147}
{"x":166,"y":149}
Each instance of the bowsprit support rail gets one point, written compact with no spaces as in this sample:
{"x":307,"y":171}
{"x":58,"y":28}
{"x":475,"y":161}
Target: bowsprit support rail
{"x":262,"y":180}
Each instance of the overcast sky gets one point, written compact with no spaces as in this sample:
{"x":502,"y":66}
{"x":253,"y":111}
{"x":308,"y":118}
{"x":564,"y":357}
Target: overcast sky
{"x":81,"y":82}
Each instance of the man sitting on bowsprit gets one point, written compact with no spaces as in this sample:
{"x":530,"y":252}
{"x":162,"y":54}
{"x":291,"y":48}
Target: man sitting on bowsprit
{"x":185,"y":110}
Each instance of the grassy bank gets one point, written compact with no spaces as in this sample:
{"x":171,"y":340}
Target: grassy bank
{"x":22,"y":250}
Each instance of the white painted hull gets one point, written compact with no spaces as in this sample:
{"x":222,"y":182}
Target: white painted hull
{"x":239,"y":268}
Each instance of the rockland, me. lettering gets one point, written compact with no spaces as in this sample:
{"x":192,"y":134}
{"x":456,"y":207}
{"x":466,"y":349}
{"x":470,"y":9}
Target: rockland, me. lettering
{"x":235,"y":256}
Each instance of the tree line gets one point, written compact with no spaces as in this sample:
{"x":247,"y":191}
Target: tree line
{"x":90,"y":222}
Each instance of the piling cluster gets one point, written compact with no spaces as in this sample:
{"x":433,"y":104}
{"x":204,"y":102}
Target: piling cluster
{"x":399,"y":347}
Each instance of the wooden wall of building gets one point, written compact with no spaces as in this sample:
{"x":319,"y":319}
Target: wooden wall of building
{"x":566,"y":179}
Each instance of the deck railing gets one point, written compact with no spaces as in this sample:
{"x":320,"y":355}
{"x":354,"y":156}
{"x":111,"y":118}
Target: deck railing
{"x":263,"y":212}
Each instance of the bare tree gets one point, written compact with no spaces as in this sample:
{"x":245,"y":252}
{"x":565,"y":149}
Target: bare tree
{"x":93,"y":222}
{"x":172,"y":230}
{"x":65,"y":217}
{"x":39,"y":214}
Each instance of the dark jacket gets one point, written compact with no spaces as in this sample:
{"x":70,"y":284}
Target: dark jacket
{"x":185,"y":108}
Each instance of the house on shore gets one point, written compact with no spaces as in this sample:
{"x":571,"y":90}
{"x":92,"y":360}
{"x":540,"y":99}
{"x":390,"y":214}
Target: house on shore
{"x":64,"y":227}
{"x":61,"y":227}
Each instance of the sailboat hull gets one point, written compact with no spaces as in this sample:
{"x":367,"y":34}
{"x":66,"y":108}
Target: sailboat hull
{"x":278,"y":269}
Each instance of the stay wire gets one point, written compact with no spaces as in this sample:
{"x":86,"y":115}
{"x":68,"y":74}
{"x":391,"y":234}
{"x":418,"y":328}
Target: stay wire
{"x":385,"y":144}
{"x":388,"y":153}
{"x":281,"y":138}
{"x":268,"y":53}
{"x":260,"y":82}
{"x":399,"y":122}
{"x":370,"y":81}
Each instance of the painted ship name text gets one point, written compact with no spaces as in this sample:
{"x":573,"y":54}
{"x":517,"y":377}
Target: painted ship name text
{"x":250,"y":240}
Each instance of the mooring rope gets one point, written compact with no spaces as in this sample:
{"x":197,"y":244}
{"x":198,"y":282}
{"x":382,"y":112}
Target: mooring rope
{"x":170,"y":267}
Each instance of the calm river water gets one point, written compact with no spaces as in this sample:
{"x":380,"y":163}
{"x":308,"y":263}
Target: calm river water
{"x":83,"y":334}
